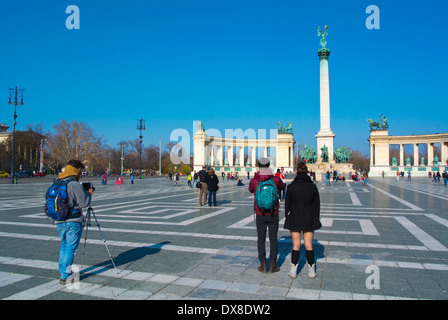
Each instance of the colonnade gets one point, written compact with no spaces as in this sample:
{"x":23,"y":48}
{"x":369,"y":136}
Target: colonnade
{"x":380,"y":160}
{"x":228,"y":154}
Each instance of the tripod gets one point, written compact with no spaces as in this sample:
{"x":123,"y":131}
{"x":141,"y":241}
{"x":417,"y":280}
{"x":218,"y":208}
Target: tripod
{"x":86,"y":224}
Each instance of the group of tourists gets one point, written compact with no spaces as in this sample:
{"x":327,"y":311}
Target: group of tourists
{"x":302,"y":210}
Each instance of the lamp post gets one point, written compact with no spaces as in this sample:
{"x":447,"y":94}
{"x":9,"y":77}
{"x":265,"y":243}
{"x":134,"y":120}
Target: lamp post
{"x":15,"y":103}
{"x":140,"y":126}
{"x":122,"y":158}
{"x":41,"y":164}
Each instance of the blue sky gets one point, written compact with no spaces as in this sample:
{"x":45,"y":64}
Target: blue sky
{"x":230,"y":63}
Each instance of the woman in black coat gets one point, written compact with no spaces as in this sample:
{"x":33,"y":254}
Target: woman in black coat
{"x":302,"y":210}
{"x":212,"y":183}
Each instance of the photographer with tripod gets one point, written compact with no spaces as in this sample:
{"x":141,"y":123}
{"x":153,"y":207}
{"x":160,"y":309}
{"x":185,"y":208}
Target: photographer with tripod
{"x":70,"y":228}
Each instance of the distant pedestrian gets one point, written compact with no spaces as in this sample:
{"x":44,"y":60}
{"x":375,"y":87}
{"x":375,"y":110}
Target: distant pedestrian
{"x":409,"y":175}
{"x":302,"y":212}
{"x":195,"y":178}
{"x":132,"y":179}
{"x":445,"y":177}
{"x":176,"y":179}
{"x":189,"y":180}
{"x":212,"y":185}
{"x":202,"y":177}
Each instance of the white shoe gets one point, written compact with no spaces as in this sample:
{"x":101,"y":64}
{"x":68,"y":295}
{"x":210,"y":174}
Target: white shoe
{"x":293,"y":272}
{"x":312,"y":271}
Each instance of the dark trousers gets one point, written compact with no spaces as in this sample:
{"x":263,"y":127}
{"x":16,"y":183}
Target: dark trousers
{"x":264,"y":223}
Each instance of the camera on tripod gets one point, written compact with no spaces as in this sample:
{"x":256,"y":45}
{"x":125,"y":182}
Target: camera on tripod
{"x":87,"y":186}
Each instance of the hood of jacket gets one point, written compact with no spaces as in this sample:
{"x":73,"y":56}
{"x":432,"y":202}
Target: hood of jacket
{"x":263,"y":175}
{"x":69,"y":172}
{"x":302,"y":177}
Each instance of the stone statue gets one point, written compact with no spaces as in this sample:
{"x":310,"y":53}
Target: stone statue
{"x":323,"y":35}
{"x":422,"y":161}
{"x":379,"y":125}
{"x":288,"y":129}
{"x":279,"y":128}
{"x":394,"y":161}
{"x":342,"y":155}
{"x":308,"y":155}
{"x":384,"y":120}
{"x":408,"y":161}
{"x":436,"y":160}
{"x":324,"y":155}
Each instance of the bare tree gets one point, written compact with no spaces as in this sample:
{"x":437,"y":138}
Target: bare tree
{"x":75,"y":140}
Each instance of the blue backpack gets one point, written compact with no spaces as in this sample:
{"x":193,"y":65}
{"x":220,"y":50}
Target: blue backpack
{"x":56,"y":201}
{"x":266,"y":196}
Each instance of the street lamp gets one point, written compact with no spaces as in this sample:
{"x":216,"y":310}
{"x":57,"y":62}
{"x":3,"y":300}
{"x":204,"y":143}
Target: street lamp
{"x":122,"y":158}
{"x":15,"y":103}
{"x":140,"y":126}
{"x":41,"y":165}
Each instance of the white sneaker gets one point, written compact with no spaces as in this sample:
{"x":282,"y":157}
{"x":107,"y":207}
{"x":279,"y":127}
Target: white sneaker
{"x":312,"y":271}
{"x":293,"y":272}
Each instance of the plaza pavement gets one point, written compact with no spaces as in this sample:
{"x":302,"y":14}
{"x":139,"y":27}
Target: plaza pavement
{"x":166,"y":246}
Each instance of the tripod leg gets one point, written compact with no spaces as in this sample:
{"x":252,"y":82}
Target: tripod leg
{"x":86,"y":225}
{"x":104,"y":240}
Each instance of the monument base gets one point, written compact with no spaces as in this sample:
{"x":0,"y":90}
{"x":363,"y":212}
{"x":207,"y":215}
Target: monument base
{"x":343,"y":169}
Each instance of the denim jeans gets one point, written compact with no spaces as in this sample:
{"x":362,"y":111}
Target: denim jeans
{"x":283,"y":193}
{"x":210,"y":195}
{"x":70,"y":233}
{"x":263,"y":223}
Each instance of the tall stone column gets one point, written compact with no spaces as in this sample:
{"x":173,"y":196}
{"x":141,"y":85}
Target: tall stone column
{"x":230,"y":155}
{"x":416,"y":159}
{"x":402,"y":155}
{"x":253,"y":156}
{"x":444,"y":153}
{"x":325,"y":136}
{"x":241,"y":156}
{"x":430,"y":161}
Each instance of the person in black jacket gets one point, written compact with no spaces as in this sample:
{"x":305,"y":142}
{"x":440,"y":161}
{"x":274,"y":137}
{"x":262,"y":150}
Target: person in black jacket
{"x":302,"y":211}
{"x":212,"y":183}
{"x":202,"y":177}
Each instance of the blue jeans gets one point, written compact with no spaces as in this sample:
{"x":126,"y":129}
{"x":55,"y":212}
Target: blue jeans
{"x":70,"y":233}
{"x":210,"y":195}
